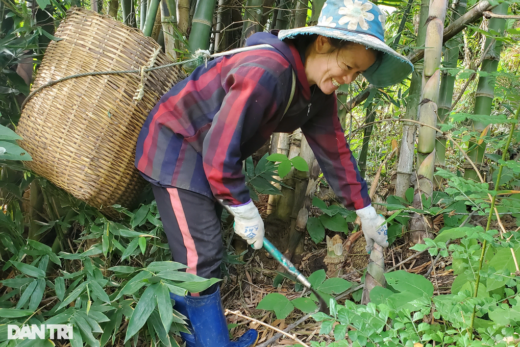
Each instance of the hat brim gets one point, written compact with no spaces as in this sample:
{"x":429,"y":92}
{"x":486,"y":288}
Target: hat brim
{"x":393,"y":67}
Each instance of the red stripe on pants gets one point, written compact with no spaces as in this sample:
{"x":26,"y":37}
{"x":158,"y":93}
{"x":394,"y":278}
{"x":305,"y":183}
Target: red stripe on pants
{"x":192,"y":255}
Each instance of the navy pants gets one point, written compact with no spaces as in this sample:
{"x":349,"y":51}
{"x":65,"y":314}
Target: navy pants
{"x":192,"y":225}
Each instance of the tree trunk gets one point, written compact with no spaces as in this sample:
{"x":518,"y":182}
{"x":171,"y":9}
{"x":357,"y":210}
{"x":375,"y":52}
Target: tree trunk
{"x":406,"y":152}
{"x":419,"y":229}
{"x":112,"y":8}
{"x":129,"y":13}
{"x":451,"y":56}
{"x":485,"y":91}
{"x":253,"y":15}
{"x":201,"y":25}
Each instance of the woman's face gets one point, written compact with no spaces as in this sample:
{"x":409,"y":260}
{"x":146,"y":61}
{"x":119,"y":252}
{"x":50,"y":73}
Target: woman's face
{"x":329,"y":68}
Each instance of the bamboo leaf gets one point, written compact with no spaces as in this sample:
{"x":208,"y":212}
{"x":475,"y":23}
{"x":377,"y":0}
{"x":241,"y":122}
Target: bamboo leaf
{"x":73,"y":295}
{"x":134,"y":284}
{"x":37,"y":295}
{"x":164,"y":305}
{"x":77,"y":339}
{"x":159,"y":328}
{"x":16,"y":282}
{"x":14,"y":313}
{"x":29,"y":270}
{"x":86,"y":329}
{"x":158,"y":266}
{"x":142,"y":311}
{"x":197,"y":287}
{"x":142,"y":244}
{"x":130,"y":248}
{"x":99,"y":292}
{"x":26,"y":294}
{"x":124,"y":269}
{"x":140,"y":216}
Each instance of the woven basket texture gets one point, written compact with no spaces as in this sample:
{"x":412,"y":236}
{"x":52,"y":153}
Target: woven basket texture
{"x":82,"y":133}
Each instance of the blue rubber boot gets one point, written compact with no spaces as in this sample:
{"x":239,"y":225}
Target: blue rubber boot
{"x":208,"y":322}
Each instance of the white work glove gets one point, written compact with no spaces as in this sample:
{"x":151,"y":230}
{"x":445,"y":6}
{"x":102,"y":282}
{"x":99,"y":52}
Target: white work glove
{"x":374,"y":227}
{"x":248,"y":223}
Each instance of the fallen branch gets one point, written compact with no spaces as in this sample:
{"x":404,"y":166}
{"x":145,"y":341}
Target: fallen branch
{"x":237,"y":313}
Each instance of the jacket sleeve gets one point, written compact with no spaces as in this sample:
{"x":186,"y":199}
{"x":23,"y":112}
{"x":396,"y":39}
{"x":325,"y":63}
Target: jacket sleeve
{"x":253,"y":96}
{"x":327,"y":140}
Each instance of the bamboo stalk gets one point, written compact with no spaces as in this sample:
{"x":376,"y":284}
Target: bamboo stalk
{"x":129,"y":13}
{"x":485,"y":88}
{"x":284,"y":15}
{"x":407,"y":148}
{"x":201,"y":25}
{"x":451,"y":56}
{"x":183,"y":16}
{"x":142,"y":15}
{"x":169,"y":24}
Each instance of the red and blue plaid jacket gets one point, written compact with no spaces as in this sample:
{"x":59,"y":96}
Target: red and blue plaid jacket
{"x":199,"y":133}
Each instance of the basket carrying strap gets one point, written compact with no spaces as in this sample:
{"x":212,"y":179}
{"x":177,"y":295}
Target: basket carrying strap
{"x":250,"y":48}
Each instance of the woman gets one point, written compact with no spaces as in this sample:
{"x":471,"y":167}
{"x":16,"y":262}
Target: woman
{"x":193,"y":143}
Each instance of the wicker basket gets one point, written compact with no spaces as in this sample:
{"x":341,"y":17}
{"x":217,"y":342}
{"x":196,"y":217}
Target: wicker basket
{"x":82,"y":133}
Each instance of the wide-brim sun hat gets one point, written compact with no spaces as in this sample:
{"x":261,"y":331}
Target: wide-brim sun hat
{"x":362,"y":22}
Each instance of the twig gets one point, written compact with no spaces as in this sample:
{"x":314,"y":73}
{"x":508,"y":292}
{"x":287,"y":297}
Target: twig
{"x":38,"y":310}
{"x":407,"y":260}
{"x":237,"y":313}
{"x":489,"y":14}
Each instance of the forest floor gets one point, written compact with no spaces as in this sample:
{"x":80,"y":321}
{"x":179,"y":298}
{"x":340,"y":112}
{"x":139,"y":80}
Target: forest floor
{"x":244,"y":289}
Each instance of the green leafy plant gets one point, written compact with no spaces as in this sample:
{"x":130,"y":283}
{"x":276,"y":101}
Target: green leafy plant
{"x":334,"y":217}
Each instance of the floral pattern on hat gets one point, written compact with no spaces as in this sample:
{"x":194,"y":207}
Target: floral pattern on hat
{"x":356,"y":13}
{"x":327,"y":21}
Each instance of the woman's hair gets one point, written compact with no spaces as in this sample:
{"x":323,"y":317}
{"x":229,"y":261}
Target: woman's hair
{"x":337,"y":44}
